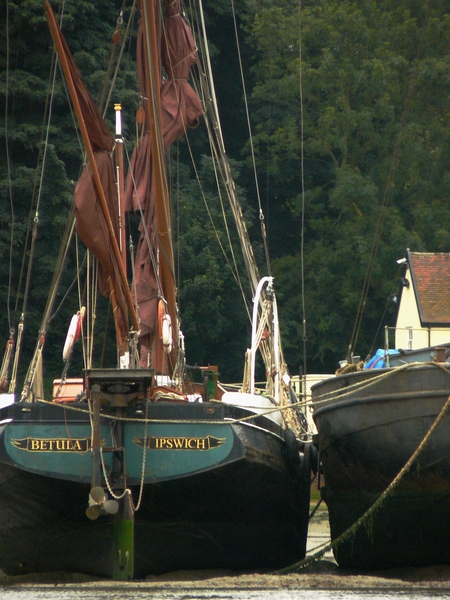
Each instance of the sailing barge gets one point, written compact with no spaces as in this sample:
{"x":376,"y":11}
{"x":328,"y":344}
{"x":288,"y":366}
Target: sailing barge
{"x":370,"y":423}
{"x":138,"y":470}
{"x":203,"y":484}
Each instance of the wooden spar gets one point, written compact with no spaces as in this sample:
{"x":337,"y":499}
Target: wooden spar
{"x":99,"y":188}
{"x":121,"y":343}
{"x":166,"y":262}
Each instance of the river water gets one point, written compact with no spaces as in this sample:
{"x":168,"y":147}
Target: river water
{"x":128,"y":592}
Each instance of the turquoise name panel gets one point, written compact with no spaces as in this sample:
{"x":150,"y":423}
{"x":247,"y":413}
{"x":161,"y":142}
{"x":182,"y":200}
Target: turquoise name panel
{"x":55,"y":449}
{"x":171,"y":450}
{"x":175,"y":449}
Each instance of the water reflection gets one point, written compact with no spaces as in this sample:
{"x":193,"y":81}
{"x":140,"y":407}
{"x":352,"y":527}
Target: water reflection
{"x":144,"y":592}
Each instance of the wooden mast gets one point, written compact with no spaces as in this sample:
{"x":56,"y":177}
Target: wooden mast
{"x":166,"y":261}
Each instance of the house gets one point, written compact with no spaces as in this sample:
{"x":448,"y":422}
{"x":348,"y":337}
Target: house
{"x":423,"y":317}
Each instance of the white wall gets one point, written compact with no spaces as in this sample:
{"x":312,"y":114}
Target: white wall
{"x":409,"y":333}
{"x":311,"y":379}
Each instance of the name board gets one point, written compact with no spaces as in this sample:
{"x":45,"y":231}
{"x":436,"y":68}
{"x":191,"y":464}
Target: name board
{"x":180,"y":443}
{"x":52,"y":444}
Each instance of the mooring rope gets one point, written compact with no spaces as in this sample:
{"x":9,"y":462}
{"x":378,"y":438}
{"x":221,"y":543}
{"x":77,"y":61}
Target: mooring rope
{"x":227,"y":421}
{"x":361,"y":385}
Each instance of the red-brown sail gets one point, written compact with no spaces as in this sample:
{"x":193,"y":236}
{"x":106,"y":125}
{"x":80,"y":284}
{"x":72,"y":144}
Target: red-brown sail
{"x":179,"y":108}
{"x":96,"y":225}
{"x":180,"y":105}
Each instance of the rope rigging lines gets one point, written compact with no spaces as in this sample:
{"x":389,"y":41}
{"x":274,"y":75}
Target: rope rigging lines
{"x":32,"y":226}
{"x":387,"y":191}
{"x":302,"y":175}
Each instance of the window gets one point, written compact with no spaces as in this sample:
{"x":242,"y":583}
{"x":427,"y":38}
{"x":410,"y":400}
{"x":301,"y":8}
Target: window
{"x":409,"y":343}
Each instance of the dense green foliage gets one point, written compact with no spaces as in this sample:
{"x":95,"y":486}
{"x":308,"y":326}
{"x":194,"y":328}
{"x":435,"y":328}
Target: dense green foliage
{"x":214,"y":319}
{"x":376,"y":105}
{"x":35,"y":202}
{"x":372,"y":81}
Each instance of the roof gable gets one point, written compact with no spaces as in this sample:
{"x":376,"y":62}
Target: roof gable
{"x":431,"y":279}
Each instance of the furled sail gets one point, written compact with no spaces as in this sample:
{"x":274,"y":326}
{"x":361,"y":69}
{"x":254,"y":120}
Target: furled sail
{"x":177,"y":108}
{"x":181,"y":107}
{"x":97,"y":226}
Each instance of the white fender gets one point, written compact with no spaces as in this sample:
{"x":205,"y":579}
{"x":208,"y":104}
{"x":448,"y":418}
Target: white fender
{"x":75,"y":327}
{"x":166,"y":334}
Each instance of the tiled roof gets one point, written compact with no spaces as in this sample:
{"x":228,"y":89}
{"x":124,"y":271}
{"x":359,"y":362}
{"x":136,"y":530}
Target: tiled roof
{"x":431,"y":278}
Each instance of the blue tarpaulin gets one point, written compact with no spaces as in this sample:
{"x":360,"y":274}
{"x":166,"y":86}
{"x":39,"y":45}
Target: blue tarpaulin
{"x":378,"y":361}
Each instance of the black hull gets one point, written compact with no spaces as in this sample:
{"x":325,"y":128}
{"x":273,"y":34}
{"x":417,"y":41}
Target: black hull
{"x":249,"y":513}
{"x":366,"y":436}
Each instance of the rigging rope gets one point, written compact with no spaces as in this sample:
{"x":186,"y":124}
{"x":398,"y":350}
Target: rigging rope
{"x":151,"y":251}
{"x":47,"y":317}
{"x":261,"y":214}
{"x":302,"y":175}
{"x":218,"y":158}
{"x":205,"y":89}
{"x":104,"y":103}
{"x":216,"y":162}
{"x":383,"y":316}
{"x":29,"y":255}
{"x":270,"y":355}
{"x":8,"y":166}
{"x":215,"y":132}
{"x":387,"y":193}
{"x":262,"y":411}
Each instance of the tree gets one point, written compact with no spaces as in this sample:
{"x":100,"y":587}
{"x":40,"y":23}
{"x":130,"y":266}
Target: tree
{"x":375,"y":100}
{"x":211,"y":272}
{"x":35,"y":202}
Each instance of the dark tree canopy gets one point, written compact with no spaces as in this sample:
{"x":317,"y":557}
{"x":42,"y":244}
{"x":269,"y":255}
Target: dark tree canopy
{"x":374,"y":78}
